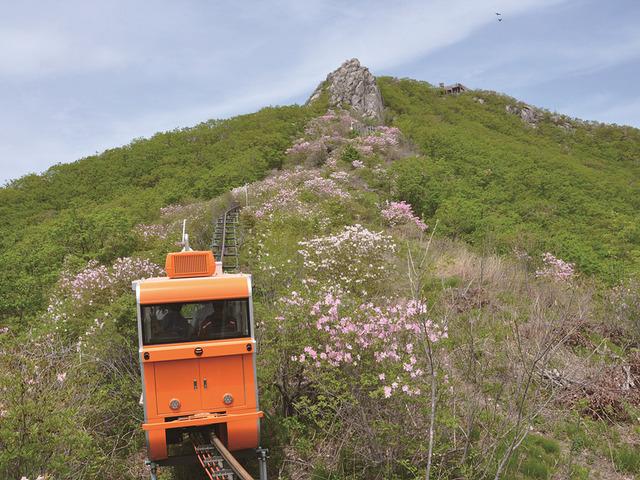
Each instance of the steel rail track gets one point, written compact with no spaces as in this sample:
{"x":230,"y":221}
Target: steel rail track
{"x":217,"y":462}
{"x":224,"y":243}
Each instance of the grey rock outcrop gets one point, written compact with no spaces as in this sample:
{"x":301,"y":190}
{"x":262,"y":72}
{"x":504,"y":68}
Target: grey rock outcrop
{"x":352,"y":85}
{"x":563,"y":122}
{"x":532,"y":116}
{"x":528,"y":114}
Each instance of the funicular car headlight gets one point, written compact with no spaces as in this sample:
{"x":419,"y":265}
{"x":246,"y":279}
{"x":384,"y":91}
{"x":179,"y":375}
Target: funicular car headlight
{"x":174,"y":404}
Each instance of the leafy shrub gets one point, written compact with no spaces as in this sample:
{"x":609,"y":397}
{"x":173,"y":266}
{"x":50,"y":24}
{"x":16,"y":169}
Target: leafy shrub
{"x":349,"y":154}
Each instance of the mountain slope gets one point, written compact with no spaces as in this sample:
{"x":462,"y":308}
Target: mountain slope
{"x":487,"y":177}
{"x":490,"y":178}
{"x":86,"y":209}
{"x":386,"y":348}
{"x":377,"y":341}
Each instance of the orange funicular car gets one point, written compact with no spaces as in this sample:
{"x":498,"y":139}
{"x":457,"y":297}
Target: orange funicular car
{"x":197,"y":354}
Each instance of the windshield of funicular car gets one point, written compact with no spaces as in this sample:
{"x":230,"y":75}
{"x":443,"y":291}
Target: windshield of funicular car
{"x":195,"y":321}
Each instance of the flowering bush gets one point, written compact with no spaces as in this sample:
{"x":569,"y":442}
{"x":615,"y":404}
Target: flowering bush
{"x":276,"y":192}
{"x":126,"y":269}
{"x":340,"y":175}
{"x":151,"y":231}
{"x":258,"y":191}
{"x":382,"y":138}
{"x":399,"y":213}
{"x":286,"y":198}
{"x":331,"y":163}
{"x":97,"y":282}
{"x":341,"y":132}
{"x":282,"y":192}
{"x":357,"y":164}
{"x":326,"y":187}
{"x":352,"y":258}
{"x":182,"y":211}
{"x":332,"y":124}
{"x":555,"y":268}
{"x":304,"y":147}
{"x":323,"y":135}
{"x":364,"y":150}
{"x":93,"y":278}
{"x":380,"y":336}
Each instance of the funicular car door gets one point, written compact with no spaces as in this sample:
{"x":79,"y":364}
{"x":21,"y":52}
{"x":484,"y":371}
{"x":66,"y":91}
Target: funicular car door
{"x":222,"y":377}
{"x":224,"y":374}
{"x":178,"y":380}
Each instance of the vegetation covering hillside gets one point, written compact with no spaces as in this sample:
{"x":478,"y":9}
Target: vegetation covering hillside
{"x":562,"y":185}
{"x":87,"y":209}
{"x":388,"y":347}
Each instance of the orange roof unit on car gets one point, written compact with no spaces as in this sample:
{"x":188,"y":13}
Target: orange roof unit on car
{"x":164,"y":290}
{"x":190,"y":264}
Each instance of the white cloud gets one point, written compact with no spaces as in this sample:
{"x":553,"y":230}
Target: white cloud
{"x":33,"y":53}
{"x":382,"y":36}
{"x":385,"y":34}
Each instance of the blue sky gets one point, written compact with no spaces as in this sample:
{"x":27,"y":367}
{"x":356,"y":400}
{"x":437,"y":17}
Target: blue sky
{"x":77,"y":77}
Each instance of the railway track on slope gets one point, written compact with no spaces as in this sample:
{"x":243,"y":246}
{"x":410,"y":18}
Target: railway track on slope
{"x":225,"y":242}
{"x":216,"y":461}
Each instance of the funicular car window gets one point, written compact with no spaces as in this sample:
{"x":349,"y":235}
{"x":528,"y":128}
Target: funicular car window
{"x":197,"y":321}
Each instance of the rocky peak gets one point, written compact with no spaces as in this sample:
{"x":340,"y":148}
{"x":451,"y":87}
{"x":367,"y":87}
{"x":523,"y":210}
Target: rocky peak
{"x":352,"y":85}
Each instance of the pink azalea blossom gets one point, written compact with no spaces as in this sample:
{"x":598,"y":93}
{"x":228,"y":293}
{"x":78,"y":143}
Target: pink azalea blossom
{"x":556,"y":268}
{"x":326,"y":187}
{"x":98,"y":281}
{"x":378,"y":331}
{"x":400,"y":213}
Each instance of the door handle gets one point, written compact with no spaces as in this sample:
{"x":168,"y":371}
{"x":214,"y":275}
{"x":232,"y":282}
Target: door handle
{"x":195,"y":384}
{"x":205,"y":383}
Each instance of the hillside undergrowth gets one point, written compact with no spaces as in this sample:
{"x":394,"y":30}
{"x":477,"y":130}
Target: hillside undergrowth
{"x":388,"y":347}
